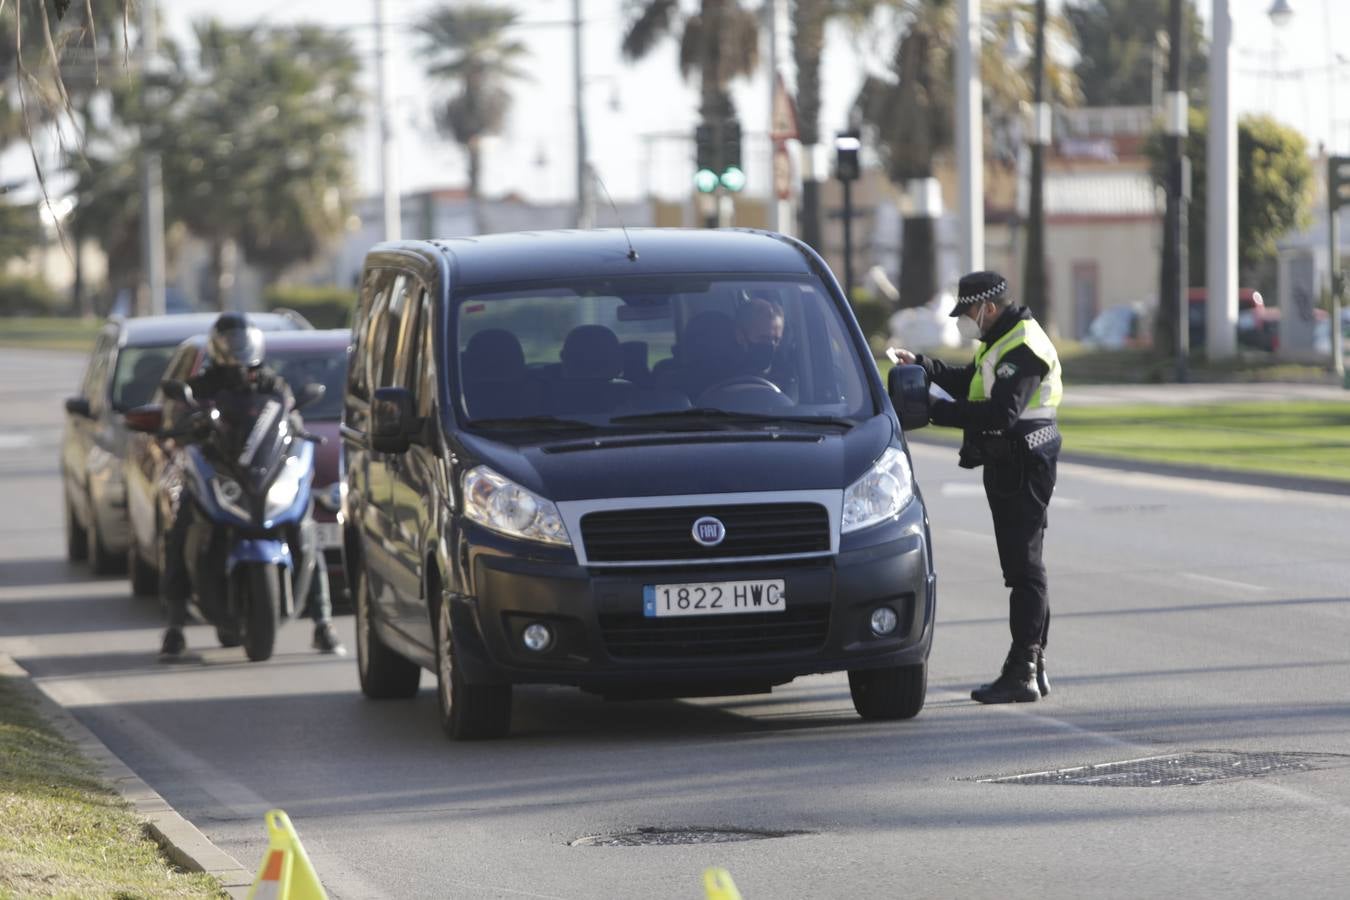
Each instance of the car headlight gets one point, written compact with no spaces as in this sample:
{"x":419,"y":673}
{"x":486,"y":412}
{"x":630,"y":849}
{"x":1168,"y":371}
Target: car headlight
{"x":500,"y":504}
{"x":879,"y":495}
{"x":281,"y":495}
{"x":330,"y":498}
{"x":230,"y":496}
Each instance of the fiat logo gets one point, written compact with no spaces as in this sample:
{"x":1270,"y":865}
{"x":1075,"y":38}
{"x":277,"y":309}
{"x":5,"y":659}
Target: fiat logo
{"x":709,"y":532}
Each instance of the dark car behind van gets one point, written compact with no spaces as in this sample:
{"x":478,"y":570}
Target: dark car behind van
{"x":669,"y":469}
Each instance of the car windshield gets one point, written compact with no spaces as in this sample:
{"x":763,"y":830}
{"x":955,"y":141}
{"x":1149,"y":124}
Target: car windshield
{"x":138,"y":373}
{"x":626,"y":353}
{"x":303,"y":367}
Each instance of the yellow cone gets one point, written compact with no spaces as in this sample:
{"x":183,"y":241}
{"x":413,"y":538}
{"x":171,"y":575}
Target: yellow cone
{"x":717,"y":884}
{"x":286,"y":872}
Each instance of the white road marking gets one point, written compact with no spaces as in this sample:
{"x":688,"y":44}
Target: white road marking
{"x":1224,"y":582}
{"x":16,"y":441}
{"x":961,"y":489}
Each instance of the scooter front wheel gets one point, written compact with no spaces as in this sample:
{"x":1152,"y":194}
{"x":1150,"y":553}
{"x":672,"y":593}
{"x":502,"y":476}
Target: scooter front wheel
{"x":262,"y":608}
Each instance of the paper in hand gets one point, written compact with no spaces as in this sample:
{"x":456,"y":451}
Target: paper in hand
{"x":936,"y":392}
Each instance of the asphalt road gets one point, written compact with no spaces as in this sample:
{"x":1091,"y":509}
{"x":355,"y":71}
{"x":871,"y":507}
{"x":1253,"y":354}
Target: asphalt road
{"x":1188,"y":616}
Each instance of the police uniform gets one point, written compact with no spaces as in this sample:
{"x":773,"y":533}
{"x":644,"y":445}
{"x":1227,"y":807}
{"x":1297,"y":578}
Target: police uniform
{"x":1006,"y":404}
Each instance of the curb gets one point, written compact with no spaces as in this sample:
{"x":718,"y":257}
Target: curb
{"x":1176,"y":470}
{"x":180,"y":840}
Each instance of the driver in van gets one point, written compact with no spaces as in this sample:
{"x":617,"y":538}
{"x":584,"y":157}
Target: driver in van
{"x":759,"y":331}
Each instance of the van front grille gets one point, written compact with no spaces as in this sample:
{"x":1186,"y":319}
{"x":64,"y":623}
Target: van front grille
{"x":795,"y":630}
{"x":666,"y":534}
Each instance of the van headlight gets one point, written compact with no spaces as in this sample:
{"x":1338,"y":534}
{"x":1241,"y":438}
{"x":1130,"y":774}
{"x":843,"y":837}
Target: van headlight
{"x":285,"y":487}
{"x":500,"y":504}
{"x":879,"y":495}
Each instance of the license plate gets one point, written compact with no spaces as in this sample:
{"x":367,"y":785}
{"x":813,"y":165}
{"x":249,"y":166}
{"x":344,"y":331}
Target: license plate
{"x":713,"y":598}
{"x":330,"y":534}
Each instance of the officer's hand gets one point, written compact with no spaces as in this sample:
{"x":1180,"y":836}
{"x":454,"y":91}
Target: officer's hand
{"x":901,"y":357}
{"x":942,"y":412}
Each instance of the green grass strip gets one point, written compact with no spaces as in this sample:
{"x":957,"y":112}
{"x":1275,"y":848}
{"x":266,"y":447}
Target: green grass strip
{"x":49,"y":333}
{"x":62,"y":832}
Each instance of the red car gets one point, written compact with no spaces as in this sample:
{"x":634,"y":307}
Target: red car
{"x":300,"y":357}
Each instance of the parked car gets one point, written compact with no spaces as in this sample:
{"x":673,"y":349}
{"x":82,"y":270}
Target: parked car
{"x":1252,"y":326}
{"x":1122,"y":327}
{"x":558,"y":471}
{"x":153,"y":478}
{"x":123,"y":371}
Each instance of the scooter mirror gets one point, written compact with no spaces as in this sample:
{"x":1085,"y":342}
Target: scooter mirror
{"x":310,"y":394}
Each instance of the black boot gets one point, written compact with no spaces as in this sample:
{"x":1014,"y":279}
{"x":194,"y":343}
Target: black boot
{"x":1042,"y":680}
{"x":1016,"y":684}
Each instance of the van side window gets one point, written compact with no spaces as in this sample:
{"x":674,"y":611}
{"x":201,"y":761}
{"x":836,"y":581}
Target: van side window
{"x":407,"y":353}
{"x":96,"y":380}
{"x":423,"y":379}
{"x":363,"y":326}
{"x":384,"y":340}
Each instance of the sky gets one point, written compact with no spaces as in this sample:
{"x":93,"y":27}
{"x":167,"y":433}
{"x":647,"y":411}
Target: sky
{"x":640,"y":115}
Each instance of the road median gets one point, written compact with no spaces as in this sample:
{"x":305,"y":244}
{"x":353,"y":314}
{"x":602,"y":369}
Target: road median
{"x":75,"y":821}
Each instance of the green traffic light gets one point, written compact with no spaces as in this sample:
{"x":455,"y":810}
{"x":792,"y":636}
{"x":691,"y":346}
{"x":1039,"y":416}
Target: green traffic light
{"x":733,"y":179}
{"x":705,"y":180}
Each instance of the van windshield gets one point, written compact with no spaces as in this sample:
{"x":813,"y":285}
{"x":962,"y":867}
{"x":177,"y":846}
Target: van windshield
{"x":679,"y":351}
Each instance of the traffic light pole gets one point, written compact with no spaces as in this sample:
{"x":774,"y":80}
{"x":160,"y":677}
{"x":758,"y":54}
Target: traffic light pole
{"x":848,"y":238}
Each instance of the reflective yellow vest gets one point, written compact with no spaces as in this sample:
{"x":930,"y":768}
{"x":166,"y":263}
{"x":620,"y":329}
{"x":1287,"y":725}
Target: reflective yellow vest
{"x":1046,"y":399}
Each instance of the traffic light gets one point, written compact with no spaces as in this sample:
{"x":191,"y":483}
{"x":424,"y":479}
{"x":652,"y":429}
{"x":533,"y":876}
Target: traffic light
{"x":1338,"y":181}
{"x":846,"y":147}
{"x":733,"y":177}
{"x":705,"y":174}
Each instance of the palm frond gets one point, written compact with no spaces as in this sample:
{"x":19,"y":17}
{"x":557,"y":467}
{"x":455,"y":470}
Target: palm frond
{"x":649,"y":21}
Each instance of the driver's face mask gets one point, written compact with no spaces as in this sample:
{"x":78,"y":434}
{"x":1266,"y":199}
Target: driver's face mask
{"x":759,"y":355}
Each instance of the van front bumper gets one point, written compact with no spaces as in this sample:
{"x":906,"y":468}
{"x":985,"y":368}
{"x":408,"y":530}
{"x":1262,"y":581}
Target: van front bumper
{"x":603,"y":642}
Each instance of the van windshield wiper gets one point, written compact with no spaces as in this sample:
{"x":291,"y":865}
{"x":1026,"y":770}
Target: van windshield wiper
{"x":534,"y":423}
{"x":705,"y":415}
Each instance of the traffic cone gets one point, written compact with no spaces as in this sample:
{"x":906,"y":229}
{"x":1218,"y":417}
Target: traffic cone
{"x":717,"y":885}
{"x":286,"y":872}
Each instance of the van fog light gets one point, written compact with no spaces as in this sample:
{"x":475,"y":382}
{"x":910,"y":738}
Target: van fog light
{"x":539,"y":637}
{"x":884,"y":621}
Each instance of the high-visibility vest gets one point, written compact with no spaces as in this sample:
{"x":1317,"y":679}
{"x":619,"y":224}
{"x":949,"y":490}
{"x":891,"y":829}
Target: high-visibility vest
{"x":1045,"y":400}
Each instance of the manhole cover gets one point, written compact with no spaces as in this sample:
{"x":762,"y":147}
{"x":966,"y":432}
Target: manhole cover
{"x":647,"y":837}
{"x":1199,"y":767}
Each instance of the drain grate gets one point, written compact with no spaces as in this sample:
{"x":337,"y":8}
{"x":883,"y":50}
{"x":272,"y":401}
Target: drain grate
{"x":1198,"y":767}
{"x":667,"y":837}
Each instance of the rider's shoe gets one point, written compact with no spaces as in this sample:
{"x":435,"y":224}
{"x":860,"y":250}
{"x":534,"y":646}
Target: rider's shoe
{"x":326,"y":640}
{"x":174,"y":645}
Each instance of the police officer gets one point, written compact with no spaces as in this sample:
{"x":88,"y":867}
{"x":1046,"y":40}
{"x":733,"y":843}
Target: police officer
{"x":1006,"y":404}
{"x":234,"y":350}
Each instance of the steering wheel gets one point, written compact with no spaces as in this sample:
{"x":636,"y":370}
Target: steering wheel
{"x":744,"y":380}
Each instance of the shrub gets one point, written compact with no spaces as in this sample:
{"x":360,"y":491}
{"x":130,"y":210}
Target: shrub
{"x":324,"y":306}
{"x":27,"y":297}
{"x":873,"y":314}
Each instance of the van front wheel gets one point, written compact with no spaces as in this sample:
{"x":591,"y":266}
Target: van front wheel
{"x":468,"y":711}
{"x":894,"y":692}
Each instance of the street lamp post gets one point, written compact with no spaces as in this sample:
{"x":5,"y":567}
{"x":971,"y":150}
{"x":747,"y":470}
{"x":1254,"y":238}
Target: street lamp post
{"x":152,"y":184}
{"x":970,"y":136}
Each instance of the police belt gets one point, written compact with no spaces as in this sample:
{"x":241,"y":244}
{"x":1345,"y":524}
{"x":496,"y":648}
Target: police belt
{"x":997,"y":446}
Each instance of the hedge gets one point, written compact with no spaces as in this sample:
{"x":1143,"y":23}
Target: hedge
{"x":324,"y":306}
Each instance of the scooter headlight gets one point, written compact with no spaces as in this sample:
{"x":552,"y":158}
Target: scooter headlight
{"x":230,"y":496}
{"x":882,"y":493}
{"x":285,"y":488}
{"x":504,"y":506}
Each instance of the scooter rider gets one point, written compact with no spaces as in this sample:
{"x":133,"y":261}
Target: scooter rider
{"x":235,"y":353}
{"x":1006,"y":402}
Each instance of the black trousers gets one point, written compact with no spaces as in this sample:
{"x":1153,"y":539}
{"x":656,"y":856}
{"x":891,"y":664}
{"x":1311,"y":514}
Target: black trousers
{"x":1019,"y":492}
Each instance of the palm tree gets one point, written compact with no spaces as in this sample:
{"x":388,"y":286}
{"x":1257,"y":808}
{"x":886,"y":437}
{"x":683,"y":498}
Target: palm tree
{"x":468,"y":48}
{"x":912,"y":112}
{"x":808,"y":47}
{"x":720,"y":41}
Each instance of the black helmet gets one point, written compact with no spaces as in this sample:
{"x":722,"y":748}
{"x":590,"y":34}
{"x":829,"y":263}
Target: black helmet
{"x":234,"y":342}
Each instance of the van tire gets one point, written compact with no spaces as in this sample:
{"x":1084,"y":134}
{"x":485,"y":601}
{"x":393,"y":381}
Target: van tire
{"x":77,"y":538}
{"x":384,"y":674}
{"x":468,"y":711}
{"x":894,"y":692}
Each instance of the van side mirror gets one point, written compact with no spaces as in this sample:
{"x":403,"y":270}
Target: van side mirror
{"x":145,"y":419}
{"x":78,"y":406}
{"x":392,"y":422}
{"x":908,"y":389}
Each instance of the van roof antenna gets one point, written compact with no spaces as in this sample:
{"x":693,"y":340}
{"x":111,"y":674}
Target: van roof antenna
{"x":632,"y":254}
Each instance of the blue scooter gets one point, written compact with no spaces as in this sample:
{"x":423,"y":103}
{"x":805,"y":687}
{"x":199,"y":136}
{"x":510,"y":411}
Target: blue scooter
{"x":248,"y":471}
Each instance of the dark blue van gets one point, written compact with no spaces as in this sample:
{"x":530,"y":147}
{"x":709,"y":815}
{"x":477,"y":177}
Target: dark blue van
{"x":659,"y":468}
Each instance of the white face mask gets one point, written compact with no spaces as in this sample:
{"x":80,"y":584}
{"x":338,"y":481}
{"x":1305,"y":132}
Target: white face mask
{"x":971,"y":329}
